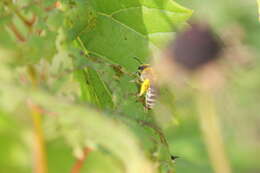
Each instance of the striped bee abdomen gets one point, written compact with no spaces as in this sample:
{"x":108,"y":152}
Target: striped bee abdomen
{"x":150,"y":97}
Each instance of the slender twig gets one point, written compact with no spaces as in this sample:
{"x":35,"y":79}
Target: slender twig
{"x":13,"y":8}
{"x":16,"y":32}
{"x":40,"y":152}
{"x":80,"y":162}
{"x":36,"y":114}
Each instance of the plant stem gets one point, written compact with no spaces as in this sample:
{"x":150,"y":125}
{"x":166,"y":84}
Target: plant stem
{"x":12,"y":7}
{"x":210,"y":127}
{"x":79,"y":162}
{"x":36,"y":113}
{"x":40,"y":156}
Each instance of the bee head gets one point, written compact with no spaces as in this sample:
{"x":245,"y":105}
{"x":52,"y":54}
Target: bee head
{"x":142,"y":67}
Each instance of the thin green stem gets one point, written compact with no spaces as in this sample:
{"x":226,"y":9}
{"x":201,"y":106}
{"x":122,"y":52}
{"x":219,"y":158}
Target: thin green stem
{"x":211,"y":131}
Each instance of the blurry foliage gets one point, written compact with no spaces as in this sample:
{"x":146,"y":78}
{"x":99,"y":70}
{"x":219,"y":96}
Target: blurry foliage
{"x":236,"y":102}
{"x":258,"y":3}
{"x":74,"y":59}
{"x":66,"y":67}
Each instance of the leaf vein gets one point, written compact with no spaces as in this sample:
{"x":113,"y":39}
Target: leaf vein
{"x":142,"y":6}
{"x":126,"y":26}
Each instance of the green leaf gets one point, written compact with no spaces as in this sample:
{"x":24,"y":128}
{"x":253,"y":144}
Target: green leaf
{"x":117,"y":31}
{"x":87,"y":90}
{"x":103,"y":94}
{"x":93,"y":89}
{"x":120,"y":30}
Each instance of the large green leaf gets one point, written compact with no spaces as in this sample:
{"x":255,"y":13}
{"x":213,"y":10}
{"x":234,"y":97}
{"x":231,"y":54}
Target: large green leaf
{"x":116,"y":31}
{"x":119,"y":30}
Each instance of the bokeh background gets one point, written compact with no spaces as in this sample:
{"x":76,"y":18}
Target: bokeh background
{"x":236,"y":101}
{"x":237,"y":24}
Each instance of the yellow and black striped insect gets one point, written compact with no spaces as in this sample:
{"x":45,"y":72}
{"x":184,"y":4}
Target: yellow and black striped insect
{"x":147,"y":78}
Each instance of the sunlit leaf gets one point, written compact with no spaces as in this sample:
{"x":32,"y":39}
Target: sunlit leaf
{"x":121,"y":30}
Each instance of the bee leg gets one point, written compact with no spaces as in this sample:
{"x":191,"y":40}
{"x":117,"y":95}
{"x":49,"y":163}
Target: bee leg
{"x":135,"y":81}
{"x":141,"y":99}
{"x":146,"y":108}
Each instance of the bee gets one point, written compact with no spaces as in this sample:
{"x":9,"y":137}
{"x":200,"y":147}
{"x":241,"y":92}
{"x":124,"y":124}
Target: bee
{"x":147,"y":77}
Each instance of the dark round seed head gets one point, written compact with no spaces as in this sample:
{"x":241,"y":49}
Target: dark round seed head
{"x":195,"y":47}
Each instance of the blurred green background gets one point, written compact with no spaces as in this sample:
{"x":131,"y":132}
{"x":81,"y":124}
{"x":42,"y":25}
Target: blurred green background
{"x":236,"y":22}
{"x":237,"y":104}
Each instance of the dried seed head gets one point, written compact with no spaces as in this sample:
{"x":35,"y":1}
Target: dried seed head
{"x":195,"y":47}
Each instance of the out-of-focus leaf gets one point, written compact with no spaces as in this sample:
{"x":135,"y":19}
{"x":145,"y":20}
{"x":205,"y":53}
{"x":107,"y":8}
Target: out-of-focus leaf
{"x":62,"y":162}
{"x":258,"y":2}
{"x":109,"y":164}
{"x":89,"y":125}
{"x":6,"y":41}
{"x":15,"y":152}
